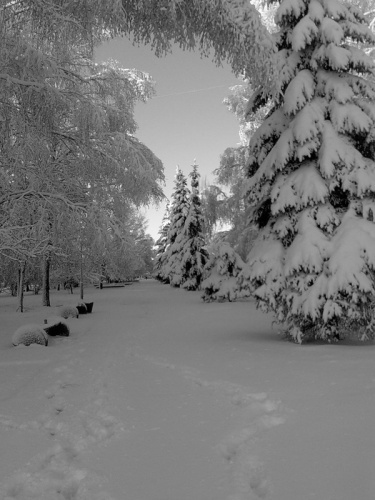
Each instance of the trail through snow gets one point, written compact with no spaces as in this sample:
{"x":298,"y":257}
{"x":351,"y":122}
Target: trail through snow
{"x":158,"y":396}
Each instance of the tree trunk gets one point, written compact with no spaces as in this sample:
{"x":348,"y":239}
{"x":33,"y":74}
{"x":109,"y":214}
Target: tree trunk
{"x":21,"y":276}
{"x":46,"y":286}
{"x":81,"y":284}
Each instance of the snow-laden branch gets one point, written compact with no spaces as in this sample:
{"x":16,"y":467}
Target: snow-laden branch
{"x":51,"y":197}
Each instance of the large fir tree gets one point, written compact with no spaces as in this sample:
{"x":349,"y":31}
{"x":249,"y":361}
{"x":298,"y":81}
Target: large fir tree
{"x":171,"y":269}
{"x":193,"y":254}
{"x":312,"y":175}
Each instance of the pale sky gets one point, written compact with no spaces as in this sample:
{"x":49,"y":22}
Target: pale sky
{"x":186,"y":120}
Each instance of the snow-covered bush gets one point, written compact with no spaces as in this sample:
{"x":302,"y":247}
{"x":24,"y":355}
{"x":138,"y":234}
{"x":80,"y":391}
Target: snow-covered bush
{"x":30,"y":334}
{"x":68,"y":312}
{"x":56,"y":326}
{"x":224,"y":280}
{"x":312,"y":175}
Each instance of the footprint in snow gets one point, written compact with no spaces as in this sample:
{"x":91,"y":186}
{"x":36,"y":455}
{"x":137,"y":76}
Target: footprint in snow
{"x":59,"y":386}
{"x":248,"y":474}
{"x":98,"y":427}
{"x":55,"y":475}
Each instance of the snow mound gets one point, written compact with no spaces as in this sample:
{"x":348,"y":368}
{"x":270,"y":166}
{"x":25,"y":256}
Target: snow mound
{"x":68,"y":312}
{"x":56,"y":326}
{"x":30,"y":334}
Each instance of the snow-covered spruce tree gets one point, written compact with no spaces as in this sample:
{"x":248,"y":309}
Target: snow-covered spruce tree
{"x":191,"y":240}
{"x":162,"y":244}
{"x":224,"y":271}
{"x":312,"y":176}
{"x":171,"y":270}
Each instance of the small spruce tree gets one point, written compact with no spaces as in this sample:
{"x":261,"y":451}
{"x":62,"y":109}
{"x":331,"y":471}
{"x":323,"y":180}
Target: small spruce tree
{"x":162,"y":244}
{"x":224,"y":272}
{"x":312,"y":175}
{"x":171,"y":268}
{"x":193,"y":254}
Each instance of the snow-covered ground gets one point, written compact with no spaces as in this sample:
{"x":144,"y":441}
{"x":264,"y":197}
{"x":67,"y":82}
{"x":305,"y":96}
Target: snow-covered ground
{"x":158,"y":396}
